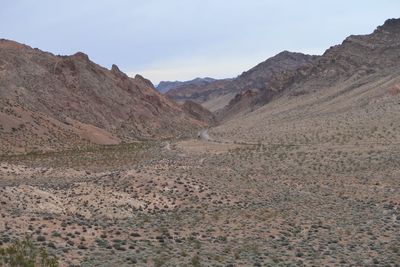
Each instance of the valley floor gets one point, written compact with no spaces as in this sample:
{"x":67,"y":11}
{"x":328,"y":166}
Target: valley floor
{"x":216,"y":203}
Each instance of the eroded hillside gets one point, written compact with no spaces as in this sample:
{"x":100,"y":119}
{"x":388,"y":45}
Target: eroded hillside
{"x":55,"y":102}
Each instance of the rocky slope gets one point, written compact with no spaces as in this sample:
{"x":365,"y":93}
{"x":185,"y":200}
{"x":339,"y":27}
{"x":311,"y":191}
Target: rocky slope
{"x":350,"y":93}
{"x":50,"y":101}
{"x":198,"y":92}
{"x":199,"y":112}
{"x":359,"y":60}
{"x":165,"y":86}
{"x":268,"y":79}
{"x":357,"y":57}
{"x":296,"y":74}
{"x":265,"y":80}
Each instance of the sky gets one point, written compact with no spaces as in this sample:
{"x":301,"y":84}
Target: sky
{"x":184,"y":39}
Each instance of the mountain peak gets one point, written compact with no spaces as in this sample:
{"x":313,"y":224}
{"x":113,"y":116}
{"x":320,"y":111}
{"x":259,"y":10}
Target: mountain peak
{"x":5,"y":43}
{"x":115,"y":68}
{"x":390,"y":25}
{"x":285,"y":53}
{"x":117,"y":72}
{"x":81,"y":56}
{"x":145,"y":81}
{"x":284,"y":60}
{"x":165,"y":86}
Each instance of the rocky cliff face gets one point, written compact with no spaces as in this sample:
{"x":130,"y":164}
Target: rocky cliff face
{"x":50,"y":101}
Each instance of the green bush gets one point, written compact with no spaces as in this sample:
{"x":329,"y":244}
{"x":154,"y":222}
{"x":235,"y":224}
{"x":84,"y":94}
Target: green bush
{"x":25,"y":254}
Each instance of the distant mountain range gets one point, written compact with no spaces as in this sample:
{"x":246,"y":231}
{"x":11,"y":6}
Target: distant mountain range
{"x":268,"y":74}
{"x":165,"y":86}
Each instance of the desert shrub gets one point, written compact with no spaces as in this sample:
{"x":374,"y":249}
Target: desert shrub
{"x":26,"y":254}
{"x":195,"y":261}
{"x":55,"y":234}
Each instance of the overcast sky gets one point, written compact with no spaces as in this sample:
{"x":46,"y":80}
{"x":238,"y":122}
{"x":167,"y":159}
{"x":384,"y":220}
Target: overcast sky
{"x":184,"y":39}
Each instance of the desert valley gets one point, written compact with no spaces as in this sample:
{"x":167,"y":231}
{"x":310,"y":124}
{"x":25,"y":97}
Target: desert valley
{"x":295,"y":162}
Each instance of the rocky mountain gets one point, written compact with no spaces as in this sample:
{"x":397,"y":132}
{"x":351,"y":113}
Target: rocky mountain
{"x":165,"y":86}
{"x":268,"y":79}
{"x":49,"y":102}
{"x":199,"y":93}
{"x":265,"y":80}
{"x":368,"y":56}
{"x":272,"y":74}
{"x":358,"y":55}
{"x":358,"y":58}
{"x":351,"y":92}
{"x":199,"y":112}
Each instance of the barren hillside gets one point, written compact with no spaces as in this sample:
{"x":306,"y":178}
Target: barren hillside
{"x":266,"y":79}
{"x":50,"y":102}
{"x":165,"y":86}
{"x":297,"y":74}
{"x":199,"y":92}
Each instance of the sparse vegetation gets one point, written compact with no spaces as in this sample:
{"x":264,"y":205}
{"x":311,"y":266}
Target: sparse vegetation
{"x":25,"y":253}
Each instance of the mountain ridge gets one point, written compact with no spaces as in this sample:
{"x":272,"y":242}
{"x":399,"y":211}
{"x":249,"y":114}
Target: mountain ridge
{"x":267,"y":74}
{"x":54,"y":97}
{"x":357,"y":55}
